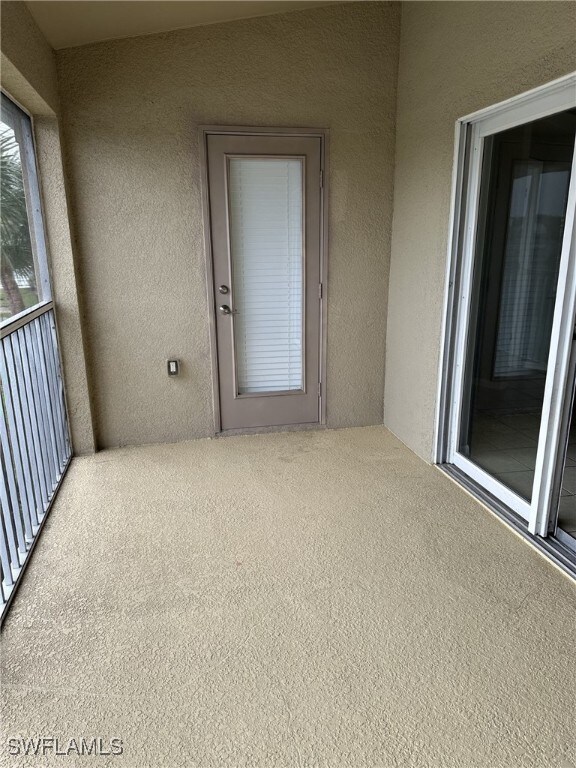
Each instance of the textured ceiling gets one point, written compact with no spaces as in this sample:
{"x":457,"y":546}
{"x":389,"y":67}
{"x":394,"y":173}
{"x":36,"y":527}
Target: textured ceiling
{"x":77,"y":22}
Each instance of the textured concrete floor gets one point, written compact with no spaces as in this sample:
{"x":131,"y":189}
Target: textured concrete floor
{"x":297,"y":599}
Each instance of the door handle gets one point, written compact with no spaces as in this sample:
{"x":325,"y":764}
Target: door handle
{"x":224,"y":309}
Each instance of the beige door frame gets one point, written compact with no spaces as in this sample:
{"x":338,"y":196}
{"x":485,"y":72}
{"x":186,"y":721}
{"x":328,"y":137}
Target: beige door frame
{"x":323,"y":135}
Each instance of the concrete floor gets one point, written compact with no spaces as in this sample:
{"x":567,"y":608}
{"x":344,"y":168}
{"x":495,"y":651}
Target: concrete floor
{"x":298,"y":599}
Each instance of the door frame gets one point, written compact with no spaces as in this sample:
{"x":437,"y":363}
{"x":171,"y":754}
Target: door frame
{"x":470,"y":134}
{"x":204,"y":131}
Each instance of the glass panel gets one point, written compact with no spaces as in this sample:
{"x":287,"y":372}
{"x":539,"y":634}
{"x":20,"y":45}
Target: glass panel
{"x":18,"y":274}
{"x":524,"y":192}
{"x":266,"y":244}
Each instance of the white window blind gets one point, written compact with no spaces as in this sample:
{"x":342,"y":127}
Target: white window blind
{"x":266,"y":242}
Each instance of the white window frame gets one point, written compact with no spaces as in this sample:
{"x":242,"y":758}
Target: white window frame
{"x":471,"y":132}
{"x":28,"y":158}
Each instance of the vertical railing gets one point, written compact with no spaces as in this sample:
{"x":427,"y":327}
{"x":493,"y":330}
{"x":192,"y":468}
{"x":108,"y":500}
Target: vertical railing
{"x":34,"y":436}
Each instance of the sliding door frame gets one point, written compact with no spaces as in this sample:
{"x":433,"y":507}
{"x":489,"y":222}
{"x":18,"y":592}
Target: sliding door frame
{"x":472,"y":133}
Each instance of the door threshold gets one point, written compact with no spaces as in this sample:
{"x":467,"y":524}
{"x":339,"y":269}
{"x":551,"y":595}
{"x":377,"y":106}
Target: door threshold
{"x":568,"y":541}
{"x":552,"y":547}
{"x":266,"y":430}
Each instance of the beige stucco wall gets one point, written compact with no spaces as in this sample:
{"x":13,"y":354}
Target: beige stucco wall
{"x":64,"y":282}
{"x":28,"y":61}
{"x":130,"y":113}
{"x":28,"y":74}
{"x":455,"y":58}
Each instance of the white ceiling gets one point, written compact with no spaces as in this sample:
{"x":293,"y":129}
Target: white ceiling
{"x":66,"y":23}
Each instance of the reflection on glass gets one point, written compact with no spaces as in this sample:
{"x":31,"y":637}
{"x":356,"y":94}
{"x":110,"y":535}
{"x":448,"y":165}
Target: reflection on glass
{"x":18,"y":284}
{"x":531,"y":260}
{"x":267,"y":250}
{"x":524,"y":193}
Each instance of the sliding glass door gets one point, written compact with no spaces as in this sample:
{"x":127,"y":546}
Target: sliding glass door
{"x":514,"y":299}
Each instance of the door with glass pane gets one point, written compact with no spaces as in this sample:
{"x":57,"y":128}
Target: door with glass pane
{"x":265,"y":201}
{"x":515,"y":300}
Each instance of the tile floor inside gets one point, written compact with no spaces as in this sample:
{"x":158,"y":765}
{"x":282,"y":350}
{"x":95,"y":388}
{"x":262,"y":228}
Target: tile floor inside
{"x":505,"y":445}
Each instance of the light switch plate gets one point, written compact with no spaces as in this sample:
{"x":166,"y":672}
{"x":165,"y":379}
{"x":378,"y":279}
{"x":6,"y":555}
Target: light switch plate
{"x":173,"y":367}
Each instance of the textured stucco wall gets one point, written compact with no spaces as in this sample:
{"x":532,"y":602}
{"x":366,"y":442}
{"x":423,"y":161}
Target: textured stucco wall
{"x":455,"y":58}
{"x":64,"y":283}
{"x":28,"y":75}
{"x":28,"y":62}
{"x":130,"y":113}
